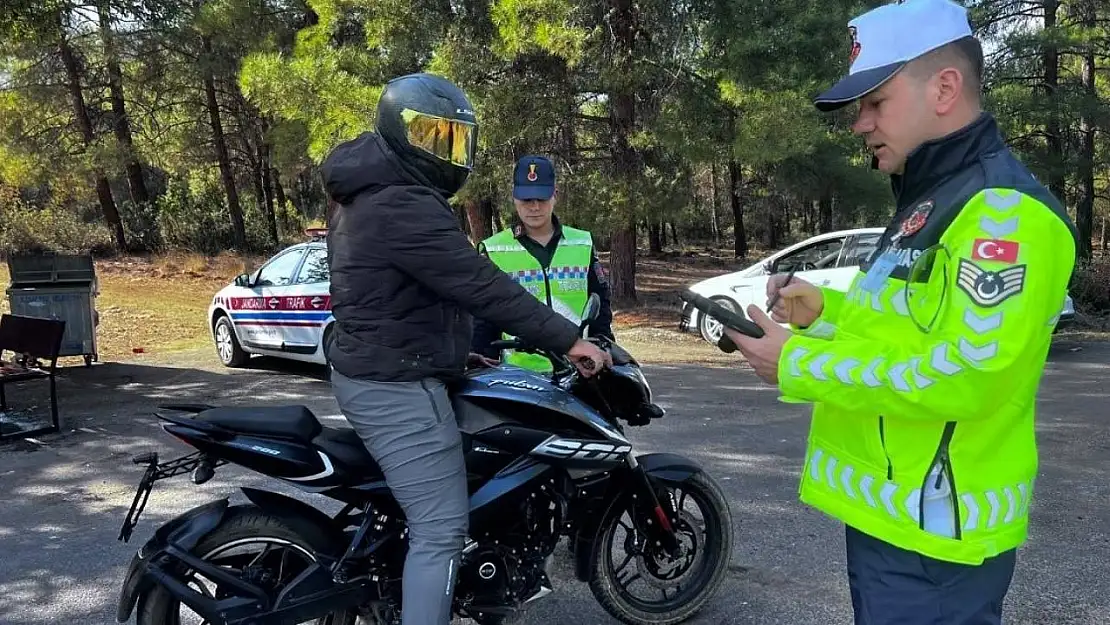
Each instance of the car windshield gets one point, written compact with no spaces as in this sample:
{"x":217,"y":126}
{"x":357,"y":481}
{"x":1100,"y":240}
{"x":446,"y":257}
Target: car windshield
{"x":822,"y":255}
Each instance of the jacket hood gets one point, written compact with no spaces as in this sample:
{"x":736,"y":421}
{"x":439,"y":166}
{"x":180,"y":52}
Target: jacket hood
{"x":365,"y":163}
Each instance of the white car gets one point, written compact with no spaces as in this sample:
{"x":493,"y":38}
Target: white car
{"x":283,"y":309}
{"x":830,"y":260}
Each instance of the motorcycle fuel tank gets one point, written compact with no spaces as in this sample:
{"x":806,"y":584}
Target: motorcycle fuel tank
{"x":490,"y":397}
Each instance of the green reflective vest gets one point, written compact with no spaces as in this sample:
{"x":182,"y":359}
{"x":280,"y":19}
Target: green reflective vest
{"x":563,"y":286}
{"x":907,"y":420}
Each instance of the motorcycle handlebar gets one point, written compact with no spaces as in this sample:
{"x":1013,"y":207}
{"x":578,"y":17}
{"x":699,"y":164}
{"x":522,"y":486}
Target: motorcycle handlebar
{"x":558,"y":361}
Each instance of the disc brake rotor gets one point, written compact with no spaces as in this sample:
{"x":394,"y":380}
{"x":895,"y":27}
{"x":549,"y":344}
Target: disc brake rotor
{"x":659,"y":569}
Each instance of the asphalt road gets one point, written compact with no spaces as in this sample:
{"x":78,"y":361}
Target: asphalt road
{"x":61,"y":503}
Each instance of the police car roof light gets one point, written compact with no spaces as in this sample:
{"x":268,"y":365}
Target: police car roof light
{"x":316,"y":233}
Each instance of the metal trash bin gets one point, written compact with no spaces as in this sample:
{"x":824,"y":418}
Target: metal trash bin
{"x":58,"y":286}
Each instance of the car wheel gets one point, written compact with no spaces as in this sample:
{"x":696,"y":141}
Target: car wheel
{"x":711,"y":328}
{"x":231,"y":354}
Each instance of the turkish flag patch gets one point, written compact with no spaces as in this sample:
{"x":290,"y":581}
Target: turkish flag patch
{"x":995,"y":249}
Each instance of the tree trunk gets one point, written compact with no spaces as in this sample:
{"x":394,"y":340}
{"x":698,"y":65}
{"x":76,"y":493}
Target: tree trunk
{"x":120,"y":122}
{"x":740,"y":248}
{"x":239,"y":230}
{"x":622,"y":265}
{"x":771,"y":237}
{"x":655,"y":237}
{"x":570,"y":113}
{"x":625,"y":159}
{"x":279,"y":195}
{"x":265,"y":158}
{"x":674,"y":235}
{"x":479,"y":215}
{"x":84,"y":124}
{"x":825,"y":211}
{"x":715,"y":219}
{"x":1054,"y":136}
{"x":257,"y":177}
{"x":1085,"y":203}
{"x":268,"y":192}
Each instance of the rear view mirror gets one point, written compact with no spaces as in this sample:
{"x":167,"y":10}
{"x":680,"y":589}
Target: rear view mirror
{"x":593,"y":307}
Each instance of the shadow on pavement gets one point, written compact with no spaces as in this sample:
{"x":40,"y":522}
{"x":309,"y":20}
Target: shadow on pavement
{"x":61,"y":506}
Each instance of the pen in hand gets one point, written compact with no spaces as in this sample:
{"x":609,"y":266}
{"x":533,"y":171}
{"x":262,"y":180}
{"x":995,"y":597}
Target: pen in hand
{"x":775,"y":299}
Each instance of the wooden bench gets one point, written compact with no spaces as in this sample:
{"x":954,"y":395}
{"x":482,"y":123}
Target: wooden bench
{"x":29,"y":349}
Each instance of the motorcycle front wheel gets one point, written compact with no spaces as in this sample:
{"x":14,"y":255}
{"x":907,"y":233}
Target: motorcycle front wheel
{"x":671,"y":588}
{"x":258,"y":547}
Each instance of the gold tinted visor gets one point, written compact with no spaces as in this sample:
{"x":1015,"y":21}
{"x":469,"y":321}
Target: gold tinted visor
{"x":447,"y":139}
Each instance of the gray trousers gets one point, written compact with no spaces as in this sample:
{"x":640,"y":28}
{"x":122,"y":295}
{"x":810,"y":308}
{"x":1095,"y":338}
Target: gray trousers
{"x":893,"y":586}
{"x":410,"y":430}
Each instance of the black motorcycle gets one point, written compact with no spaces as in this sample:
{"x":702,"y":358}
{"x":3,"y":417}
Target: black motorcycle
{"x":546,"y":457}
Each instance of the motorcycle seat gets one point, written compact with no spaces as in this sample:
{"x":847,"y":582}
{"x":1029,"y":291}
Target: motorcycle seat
{"x":292,"y":422}
{"x":345,"y":447}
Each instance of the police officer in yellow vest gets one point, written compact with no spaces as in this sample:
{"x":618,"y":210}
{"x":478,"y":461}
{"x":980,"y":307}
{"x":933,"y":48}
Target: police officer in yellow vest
{"x":554,"y":262}
{"x":924,"y":374}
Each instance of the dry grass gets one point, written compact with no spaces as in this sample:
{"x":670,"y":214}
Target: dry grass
{"x":158,"y":306}
{"x":154,"y":304}
{"x":668,"y":346}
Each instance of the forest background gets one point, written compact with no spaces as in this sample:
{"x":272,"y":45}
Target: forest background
{"x":680,"y":128}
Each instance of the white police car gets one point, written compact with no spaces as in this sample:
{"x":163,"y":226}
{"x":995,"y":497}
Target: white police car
{"x":282,"y":309}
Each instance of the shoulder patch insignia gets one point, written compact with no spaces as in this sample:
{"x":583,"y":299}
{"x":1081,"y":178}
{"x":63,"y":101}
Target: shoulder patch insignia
{"x":990,"y":288}
{"x":916,"y":220}
{"x":602,"y":275}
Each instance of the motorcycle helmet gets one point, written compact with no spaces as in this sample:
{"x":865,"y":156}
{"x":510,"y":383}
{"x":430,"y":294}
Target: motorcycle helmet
{"x":430,"y":124}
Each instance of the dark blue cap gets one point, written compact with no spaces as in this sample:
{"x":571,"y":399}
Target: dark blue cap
{"x":533,"y":179}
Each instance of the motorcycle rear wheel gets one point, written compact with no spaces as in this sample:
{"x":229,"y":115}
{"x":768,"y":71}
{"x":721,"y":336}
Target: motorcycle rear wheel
{"x":696,"y":581}
{"x":243,"y":526}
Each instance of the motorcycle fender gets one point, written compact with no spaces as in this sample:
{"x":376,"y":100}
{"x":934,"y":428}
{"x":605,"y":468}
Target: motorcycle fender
{"x":662,"y":467}
{"x":184,"y":531}
{"x":280,"y":505}
{"x":668,"y":468}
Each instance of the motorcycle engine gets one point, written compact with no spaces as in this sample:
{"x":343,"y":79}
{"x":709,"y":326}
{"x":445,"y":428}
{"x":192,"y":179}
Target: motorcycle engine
{"x":510,"y":567}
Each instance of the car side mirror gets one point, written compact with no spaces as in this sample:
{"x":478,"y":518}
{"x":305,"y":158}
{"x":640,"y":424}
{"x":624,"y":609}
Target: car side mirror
{"x":768,"y":268}
{"x":243,"y":280}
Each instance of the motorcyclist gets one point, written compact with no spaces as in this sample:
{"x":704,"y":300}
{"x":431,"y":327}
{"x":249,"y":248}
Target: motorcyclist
{"x":405,"y":282}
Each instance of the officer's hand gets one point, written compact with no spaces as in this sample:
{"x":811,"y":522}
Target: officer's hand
{"x":799,"y":302}
{"x":589,"y":358}
{"x":762,"y":354}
